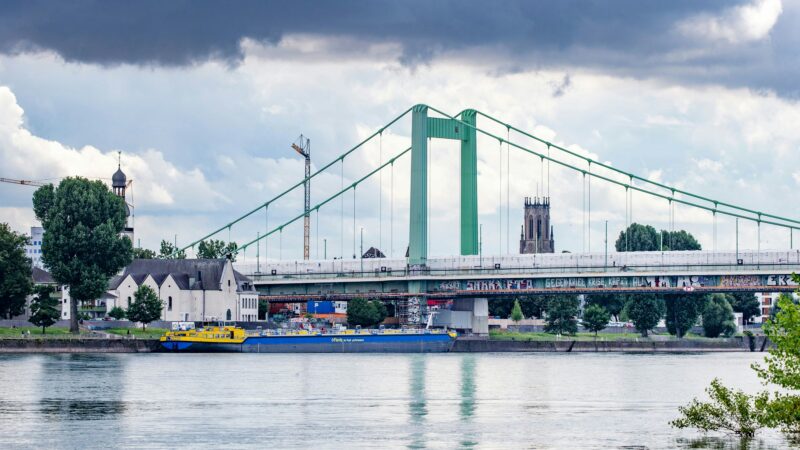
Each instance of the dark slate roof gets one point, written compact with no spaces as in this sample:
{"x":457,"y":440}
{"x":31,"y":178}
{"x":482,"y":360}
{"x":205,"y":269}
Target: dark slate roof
{"x":114,"y":282}
{"x":41,"y":276}
{"x":205,"y":273}
{"x":373,"y":253}
{"x":119,"y":179}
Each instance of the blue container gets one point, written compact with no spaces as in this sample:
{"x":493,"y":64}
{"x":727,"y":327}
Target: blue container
{"x":320,"y":307}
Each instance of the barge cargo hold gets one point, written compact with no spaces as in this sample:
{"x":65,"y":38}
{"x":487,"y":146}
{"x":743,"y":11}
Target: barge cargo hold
{"x":234,"y":339}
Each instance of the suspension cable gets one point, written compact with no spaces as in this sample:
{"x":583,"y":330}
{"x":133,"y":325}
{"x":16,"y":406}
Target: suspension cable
{"x":266,"y":230}
{"x":341,"y":212}
{"x":354,"y":223}
{"x":508,"y":192}
{"x":380,"y":192}
{"x":589,"y":207}
{"x":391,"y":217}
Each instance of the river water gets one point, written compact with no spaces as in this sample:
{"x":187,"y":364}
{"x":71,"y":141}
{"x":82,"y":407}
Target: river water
{"x":541,"y":400}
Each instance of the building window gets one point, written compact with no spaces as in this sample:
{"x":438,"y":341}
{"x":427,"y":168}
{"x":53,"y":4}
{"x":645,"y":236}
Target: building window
{"x":169,"y":303}
{"x":229,"y":283}
{"x":129,"y":301}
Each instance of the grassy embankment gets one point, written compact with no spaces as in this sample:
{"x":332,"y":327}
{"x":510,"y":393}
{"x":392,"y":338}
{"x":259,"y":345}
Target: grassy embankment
{"x":8,"y":332}
{"x":149,"y":333}
{"x":541,"y":336}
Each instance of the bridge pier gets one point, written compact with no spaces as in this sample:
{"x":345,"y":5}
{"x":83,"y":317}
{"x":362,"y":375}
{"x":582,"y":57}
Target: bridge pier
{"x":470,"y":315}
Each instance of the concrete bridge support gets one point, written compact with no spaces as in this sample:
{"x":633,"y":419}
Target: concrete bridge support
{"x":469,"y":315}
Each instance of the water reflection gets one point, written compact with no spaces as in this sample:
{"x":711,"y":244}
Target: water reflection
{"x":467,"y":404}
{"x":94,"y":391}
{"x":417,"y":405}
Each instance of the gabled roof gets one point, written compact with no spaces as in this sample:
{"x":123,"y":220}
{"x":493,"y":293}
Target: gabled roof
{"x":187,"y":273}
{"x":373,"y":253}
{"x":41,"y":276}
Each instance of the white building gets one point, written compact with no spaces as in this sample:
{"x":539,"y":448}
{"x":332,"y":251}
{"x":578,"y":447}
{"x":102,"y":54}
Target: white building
{"x":190,"y":289}
{"x":34,"y":248}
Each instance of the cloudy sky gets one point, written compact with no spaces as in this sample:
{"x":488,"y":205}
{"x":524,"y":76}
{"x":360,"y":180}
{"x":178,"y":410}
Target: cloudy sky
{"x":203,"y":101}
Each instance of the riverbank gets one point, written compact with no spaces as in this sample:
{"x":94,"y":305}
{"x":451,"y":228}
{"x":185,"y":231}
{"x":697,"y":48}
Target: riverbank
{"x":35,"y":344}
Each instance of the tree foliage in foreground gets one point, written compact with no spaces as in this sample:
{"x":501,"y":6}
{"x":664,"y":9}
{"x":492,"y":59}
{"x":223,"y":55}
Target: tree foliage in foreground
{"x":562,"y":311}
{"x":146,"y":306}
{"x":15,"y":272}
{"x":82,"y":245}
{"x":742,"y":414}
{"x":44,"y":308}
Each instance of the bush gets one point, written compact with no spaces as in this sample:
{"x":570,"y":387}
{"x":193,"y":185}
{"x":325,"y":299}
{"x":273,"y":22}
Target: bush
{"x":117,"y":313}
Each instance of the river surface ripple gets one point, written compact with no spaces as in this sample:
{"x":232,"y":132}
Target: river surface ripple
{"x":511,"y":400}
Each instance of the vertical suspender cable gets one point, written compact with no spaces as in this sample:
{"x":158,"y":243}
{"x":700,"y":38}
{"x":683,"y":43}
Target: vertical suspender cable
{"x":354,"y":221}
{"x":589,"y":206}
{"x":391,"y":216}
{"x":627,"y":228}
{"x":500,"y":205}
{"x":280,"y":244}
{"x":508,"y":190}
{"x":548,"y":170}
{"x":317,"y":234}
{"x":266,"y":238}
{"x":380,"y":191}
{"x":583,"y":212}
{"x":428,"y":199}
{"x":341,"y":211}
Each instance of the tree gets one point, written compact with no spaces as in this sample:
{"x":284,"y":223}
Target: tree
{"x":595,"y":318}
{"x":15,"y":272}
{"x":644,"y":311}
{"x":117,"y":313}
{"x":534,"y":305}
{"x":215,"y":249}
{"x":638,"y":238}
{"x":516,"y":312}
{"x":44,"y":308}
{"x":683,"y":310}
{"x":728,"y":410}
{"x":613,"y":303}
{"x":718,"y":317}
{"x":170,"y":251}
{"x":146,"y":306}
{"x":645,"y":238}
{"x":83,"y":245}
{"x":679,"y":240}
{"x":263,"y":309}
{"x":143,"y":253}
{"x":561,"y":312}
{"x":745,"y":303}
{"x":365,"y":313}
{"x":501,"y":307}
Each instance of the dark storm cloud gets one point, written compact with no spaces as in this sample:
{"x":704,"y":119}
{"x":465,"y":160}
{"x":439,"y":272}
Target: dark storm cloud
{"x":633,"y":37}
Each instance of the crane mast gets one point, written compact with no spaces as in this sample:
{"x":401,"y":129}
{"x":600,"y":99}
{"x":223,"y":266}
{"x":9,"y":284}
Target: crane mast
{"x":304,"y":149}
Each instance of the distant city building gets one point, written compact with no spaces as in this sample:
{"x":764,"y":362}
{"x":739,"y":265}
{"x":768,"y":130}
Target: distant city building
{"x":34,"y":248}
{"x":40,"y":278}
{"x":195,"y":290}
{"x":537,"y":232}
{"x":119,"y":184}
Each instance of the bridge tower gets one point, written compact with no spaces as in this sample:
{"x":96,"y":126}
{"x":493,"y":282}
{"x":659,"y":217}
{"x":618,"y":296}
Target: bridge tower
{"x":422,"y":129}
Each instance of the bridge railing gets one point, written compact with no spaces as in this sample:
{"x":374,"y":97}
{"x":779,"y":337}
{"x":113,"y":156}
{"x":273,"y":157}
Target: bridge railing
{"x":619,"y":263}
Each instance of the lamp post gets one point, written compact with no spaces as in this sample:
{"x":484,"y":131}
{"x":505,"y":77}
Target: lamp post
{"x":480,"y":245}
{"x":325,"y":247}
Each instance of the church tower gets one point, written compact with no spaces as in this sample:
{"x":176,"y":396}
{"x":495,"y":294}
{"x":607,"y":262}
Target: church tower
{"x":537,"y":232}
{"x":119,"y":183}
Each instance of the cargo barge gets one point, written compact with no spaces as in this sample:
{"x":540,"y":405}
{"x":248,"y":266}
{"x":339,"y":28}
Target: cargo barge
{"x":234,"y":339}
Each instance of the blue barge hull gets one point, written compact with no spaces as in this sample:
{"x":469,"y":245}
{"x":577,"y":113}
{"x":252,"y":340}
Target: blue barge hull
{"x":345,"y":343}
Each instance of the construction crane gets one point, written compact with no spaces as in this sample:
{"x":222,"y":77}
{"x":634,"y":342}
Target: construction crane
{"x":303,"y":146}
{"x":23,"y":182}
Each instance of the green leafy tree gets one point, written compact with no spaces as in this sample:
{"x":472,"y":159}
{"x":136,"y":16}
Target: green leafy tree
{"x":645,"y":311}
{"x":728,"y":410}
{"x":146,"y":306}
{"x":170,"y":251}
{"x":561,"y":315}
{"x":516,"y":312}
{"x":613,"y":303}
{"x":645,"y":238}
{"x":44,"y":308}
{"x":365,"y":313}
{"x":117,"y":313}
{"x":534,"y":305}
{"x":637,"y":238}
{"x":82,"y":246}
{"x":15,"y":272}
{"x":143,"y":253}
{"x":263,"y":309}
{"x":679,"y":240}
{"x":215,"y":249}
{"x":745,"y":303}
{"x":595,"y":318}
{"x":501,"y":307}
{"x":683,"y":310}
{"x":718,"y":317}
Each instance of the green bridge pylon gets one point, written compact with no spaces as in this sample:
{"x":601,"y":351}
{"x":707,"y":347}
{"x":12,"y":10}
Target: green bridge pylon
{"x":422,"y":128}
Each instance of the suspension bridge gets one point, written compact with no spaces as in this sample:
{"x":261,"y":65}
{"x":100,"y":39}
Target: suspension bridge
{"x":474,"y":276}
